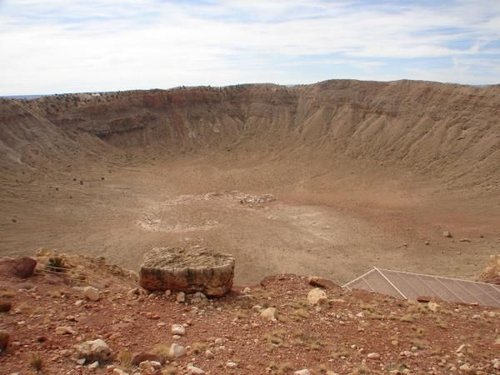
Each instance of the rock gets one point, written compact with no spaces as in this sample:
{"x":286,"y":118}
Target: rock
{"x":65,"y":330}
{"x":94,"y":365}
{"x":302,"y":372}
{"x":269,"y":313}
{"x":373,"y":356}
{"x":198,"y":297}
{"x":192,"y":370}
{"x":144,"y":356}
{"x":321,"y":282}
{"x":492,"y":272}
{"x":209,"y":354}
{"x":181,"y":297}
{"x":91,"y":293}
{"x":316,"y":296}
{"x":118,"y":371}
{"x":22,"y":267}
{"x":178,"y":329}
{"x":150,"y":368}
{"x":95,"y":350}
{"x":231,"y":364}
{"x":176,"y":351}
{"x":447,"y":234}
{"x":4,"y":340}
{"x":433,"y":306}
{"x":189,"y":271}
{"x":5,"y":306}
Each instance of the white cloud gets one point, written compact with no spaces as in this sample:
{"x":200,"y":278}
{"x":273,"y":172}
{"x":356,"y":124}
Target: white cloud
{"x":54,"y":46}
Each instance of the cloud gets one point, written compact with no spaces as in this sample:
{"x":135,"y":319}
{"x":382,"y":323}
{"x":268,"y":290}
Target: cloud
{"x":57,"y":46}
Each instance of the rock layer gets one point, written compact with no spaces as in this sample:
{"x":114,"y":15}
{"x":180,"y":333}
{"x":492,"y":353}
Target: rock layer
{"x":189,"y":271}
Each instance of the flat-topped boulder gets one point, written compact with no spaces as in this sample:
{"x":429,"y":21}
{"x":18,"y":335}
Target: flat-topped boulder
{"x":187,"y":270}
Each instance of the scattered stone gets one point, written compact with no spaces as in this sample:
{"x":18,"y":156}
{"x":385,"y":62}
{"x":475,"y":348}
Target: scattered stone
{"x":373,"y":356}
{"x":22,"y":267}
{"x":95,"y":350}
{"x":178,"y":329}
{"x":465,"y":240}
{"x":65,"y":330}
{"x":424,"y":299}
{"x":316,"y":296}
{"x":94,"y":365}
{"x":189,"y":271}
{"x":209,"y":354}
{"x":231,"y":364}
{"x":427,"y":243}
{"x":176,"y":351}
{"x":5,"y":306}
{"x":91,"y":293}
{"x":144,"y":356}
{"x":193,"y":370}
{"x":4,"y":340}
{"x":321,"y":282}
{"x":447,"y":234}
{"x":269,"y":313}
{"x":302,"y":372}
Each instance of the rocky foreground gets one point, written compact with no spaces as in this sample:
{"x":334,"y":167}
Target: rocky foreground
{"x":77,"y":315}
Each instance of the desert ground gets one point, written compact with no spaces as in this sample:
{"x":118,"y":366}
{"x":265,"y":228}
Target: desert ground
{"x":327,"y":179}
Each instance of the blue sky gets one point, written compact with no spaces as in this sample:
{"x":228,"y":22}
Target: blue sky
{"x":85,"y":45}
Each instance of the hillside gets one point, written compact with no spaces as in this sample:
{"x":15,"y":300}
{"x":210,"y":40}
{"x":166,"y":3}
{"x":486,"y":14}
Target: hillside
{"x":362,"y":174}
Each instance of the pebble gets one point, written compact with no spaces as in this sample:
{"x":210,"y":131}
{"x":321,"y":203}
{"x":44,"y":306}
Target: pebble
{"x":316,"y":296}
{"x":302,"y":372}
{"x":177,"y":350}
{"x":269,"y":313}
{"x":231,"y":364}
{"x":373,"y":356}
{"x":91,"y":293}
{"x":193,"y":370}
{"x":94,"y":365}
{"x":178,"y":329}
{"x":65,"y":330}
{"x":181,"y":297}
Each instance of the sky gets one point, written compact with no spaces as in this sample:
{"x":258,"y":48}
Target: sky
{"x":109,"y":45}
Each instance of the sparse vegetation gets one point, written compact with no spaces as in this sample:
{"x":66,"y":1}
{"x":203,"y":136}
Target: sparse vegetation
{"x":55,"y":264}
{"x":36,"y":363}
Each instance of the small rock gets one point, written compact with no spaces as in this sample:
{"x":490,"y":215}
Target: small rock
{"x":22,"y":267}
{"x":373,"y":356}
{"x":231,"y":364}
{"x":192,"y":370}
{"x":178,"y":329}
{"x":427,"y":243}
{"x":302,"y":372}
{"x":5,"y":306}
{"x":181,"y":297}
{"x":94,"y":365}
{"x":209,"y":354}
{"x":81,"y":361}
{"x":176,"y":351}
{"x":316,"y":296}
{"x":433,"y":306}
{"x":95,"y":350}
{"x":91,"y":293}
{"x":269,"y":313}
{"x":149,"y":367}
{"x":65,"y":330}
{"x":321,"y":282}
{"x":118,"y":371}
{"x":144,"y":356}
{"x":447,"y":234}
{"x":4,"y":340}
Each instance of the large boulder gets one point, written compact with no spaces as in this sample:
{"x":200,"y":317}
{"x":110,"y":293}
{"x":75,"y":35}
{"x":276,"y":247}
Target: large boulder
{"x":22,"y":267}
{"x":187,"y":270}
